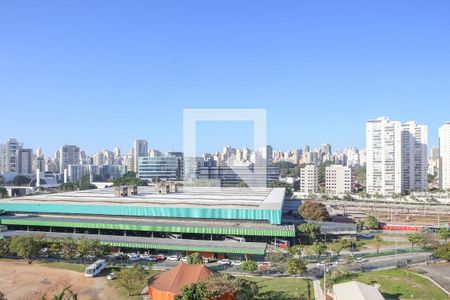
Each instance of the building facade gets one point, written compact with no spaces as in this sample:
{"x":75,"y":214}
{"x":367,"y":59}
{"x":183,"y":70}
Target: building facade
{"x":309,"y":179}
{"x":338,"y":180}
{"x":444,"y":156}
{"x":165,"y":168}
{"x":68,"y":155}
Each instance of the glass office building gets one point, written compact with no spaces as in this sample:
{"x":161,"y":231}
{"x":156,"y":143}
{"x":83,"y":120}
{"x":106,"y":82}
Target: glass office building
{"x":165,"y":168}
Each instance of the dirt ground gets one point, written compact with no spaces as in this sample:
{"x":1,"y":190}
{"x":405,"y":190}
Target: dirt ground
{"x":20,"y":281}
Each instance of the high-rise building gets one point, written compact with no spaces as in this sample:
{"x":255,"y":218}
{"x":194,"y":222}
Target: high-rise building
{"x":396,"y":156}
{"x":24,"y":159}
{"x":444,"y":153}
{"x":68,"y":155}
{"x":140,"y":149}
{"x":8,"y":159}
{"x":338,"y":180}
{"x":414,"y":157}
{"x":384,"y":155}
{"x":326,"y":148}
{"x":164,"y":168}
{"x":309,"y":179}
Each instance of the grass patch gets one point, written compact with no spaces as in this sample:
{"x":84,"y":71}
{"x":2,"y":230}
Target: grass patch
{"x":401,"y":284}
{"x":283,"y":288}
{"x":66,"y":266}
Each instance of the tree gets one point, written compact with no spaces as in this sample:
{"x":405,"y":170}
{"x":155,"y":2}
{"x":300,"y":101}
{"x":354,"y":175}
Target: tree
{"x":247,"y":289}
{"x":85,"y":183}
{"x":296,"y":250}
{"x":319,"y":248}
{"x":218,"y":285}
{"x":442,"y":251}
{"x":296,"y":266}
{"x":378,"y":240}
{"x":67,"y":187}
{"x":249,"y":266}
{"x":337,"y":247}
{"x":281,"y":184}
{"x":414,"y":239}
{"x":131,"y":279}
{"x":312,"y":210}
{"x":129,"y":179}
{"x":4,"y":247}
{"x":68,"y":248}
{"x":444,"y":233}
{"x":26,"y":246}
{"x":370,"y":222}
{"x":194,"y":259}
{"x":278,"y":260}
{"x":21,"y":180}
{"x":337,"y":276}
{"x":196,"y":291}
{"x":311,"y":230}
{"x":3,"y":192}
{"x":65,"y":294}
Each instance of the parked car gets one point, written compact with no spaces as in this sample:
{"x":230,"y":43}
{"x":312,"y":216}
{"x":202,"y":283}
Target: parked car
{"x":205,"y":260}
{"x":151,"y":258}
{"x":236,"y":262}
{"x":173,"y":258}
{"x":184,"y":259}
{"x":224,"y":261}
{"x":111,"y":276}
{"x":160,"y":257}
{"x":264,"y":264}
{"x":135,"y":257}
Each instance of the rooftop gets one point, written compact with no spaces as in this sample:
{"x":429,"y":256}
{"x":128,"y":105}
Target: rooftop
{"x":196,"y":197}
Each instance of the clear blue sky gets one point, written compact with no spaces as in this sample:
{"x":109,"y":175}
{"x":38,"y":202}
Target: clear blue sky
{"x":102,"y":73}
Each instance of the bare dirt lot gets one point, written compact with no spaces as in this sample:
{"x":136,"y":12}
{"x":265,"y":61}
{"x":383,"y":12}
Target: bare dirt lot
{"x":20,"y":281}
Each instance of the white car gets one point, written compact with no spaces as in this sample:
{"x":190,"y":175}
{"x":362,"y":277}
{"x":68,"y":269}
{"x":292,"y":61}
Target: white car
{"x":224,"y":261}
{"x":135,"y":258}
{"x":205,"y":260}
{"x":236,"y":262}
{"x":184,"y":259}
{"x":111,"y":276}
{"x":173,"y":258}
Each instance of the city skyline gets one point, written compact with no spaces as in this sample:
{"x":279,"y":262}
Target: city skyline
{"x":327,"y":77}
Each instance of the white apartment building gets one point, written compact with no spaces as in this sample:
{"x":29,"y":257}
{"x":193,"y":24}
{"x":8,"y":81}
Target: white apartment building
{"x":309,"y":179}
{"x":68,"y":155}
{"x":384,"y":155}
{"x":444,"y":156}
{"x":414,"y":157}
{"x":338,"y":180}
{"x":396,"y":156}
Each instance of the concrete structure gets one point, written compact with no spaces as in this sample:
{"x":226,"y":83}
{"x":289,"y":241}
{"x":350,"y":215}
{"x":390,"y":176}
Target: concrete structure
{"x":414,"y":157}
{"x":444,"y":156}
{"x":227,"y":176}
{"x":338,"y":180}
{"x":309,"y":179}
{"x":8,"y":158}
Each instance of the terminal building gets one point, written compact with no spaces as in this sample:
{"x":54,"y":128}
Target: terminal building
{"x":225,"y":222}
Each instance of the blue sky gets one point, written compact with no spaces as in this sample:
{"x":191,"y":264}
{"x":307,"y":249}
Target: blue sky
{"x":102,"y":73}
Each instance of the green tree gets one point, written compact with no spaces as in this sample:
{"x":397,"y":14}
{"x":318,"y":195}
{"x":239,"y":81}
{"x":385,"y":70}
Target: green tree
{"x":277,"y":259}
{"x":21,"y":180}
{"x":296,"y":266}
{"x":370,"y":222}
{"x":312,"y":231}
{"x":248,"y":290}
{"x":4,"y":247}
{"x":196,"y":291}
{"x":319,"y":248}
{"x":131,"y":279}
{"x":337,"y":247}
{"x":26,"y":246}
{"x":249,"y":266}
{"x":296,"y":250}
{"x":442,"y":251}
{"x":3,"y":192}
{"x":281,"y":184}
{"x":444,"y":233}
{"x":67,"y":187}
{"x":194,"y":259}
{"x":337,"y":276}
{"x":312,"y":210}
{"x":65,"y":294}
{"x":85,"y":183}
{"x":378,"y":241}
{"x":68,"y":248}
{"x":414,"y":239}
